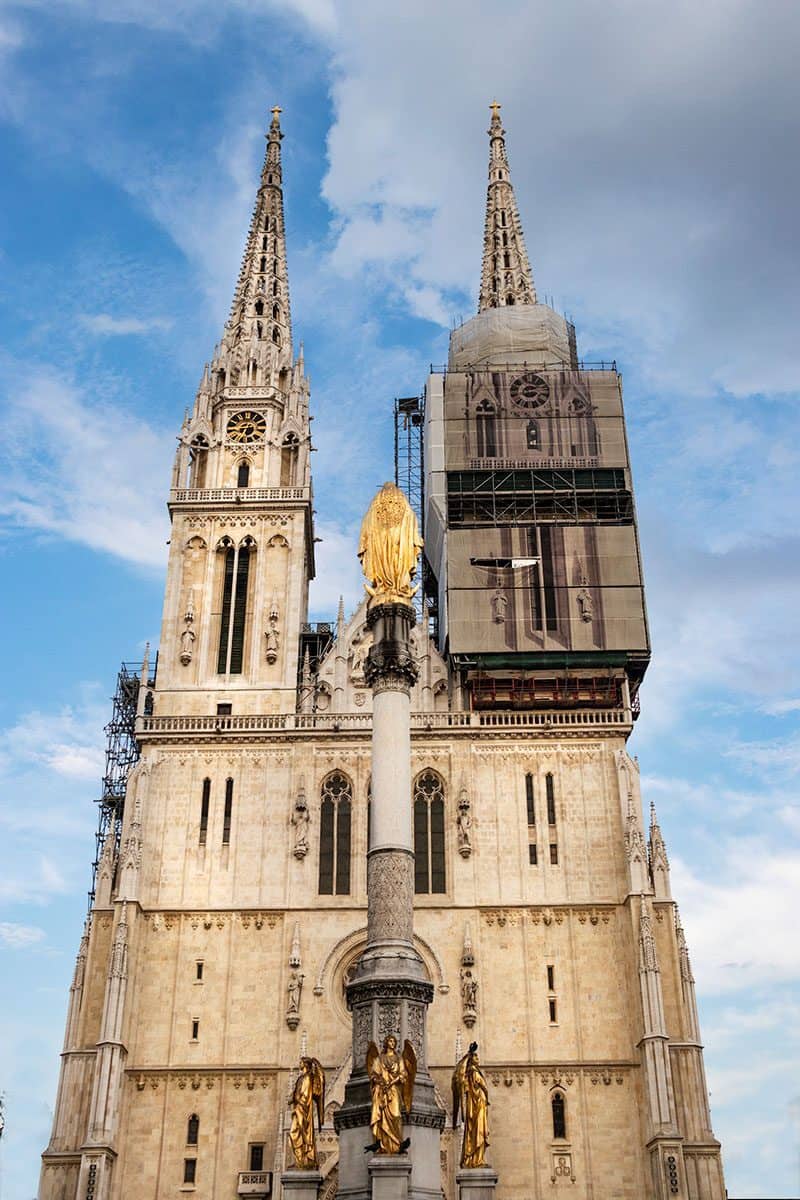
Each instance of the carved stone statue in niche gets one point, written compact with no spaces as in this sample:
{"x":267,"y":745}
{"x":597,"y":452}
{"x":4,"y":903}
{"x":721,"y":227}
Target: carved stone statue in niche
{"x":300,"y":819}
{"x":499,"y":604}
{"x":469,"y":996}
{"x":464,"y":825}
{"x":187,"y":645}
{"x":585,"y":604}
{"x":272,"y":638}
{"x":188,"y":636}
{"x":294,"y":989}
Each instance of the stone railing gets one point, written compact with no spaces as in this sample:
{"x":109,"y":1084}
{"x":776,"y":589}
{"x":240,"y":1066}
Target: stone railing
{"x":548,"y":719}
{"x":237,"y":495}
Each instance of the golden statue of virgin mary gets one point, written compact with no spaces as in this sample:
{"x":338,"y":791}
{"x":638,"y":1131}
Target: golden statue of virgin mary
{"x":389,"y":547}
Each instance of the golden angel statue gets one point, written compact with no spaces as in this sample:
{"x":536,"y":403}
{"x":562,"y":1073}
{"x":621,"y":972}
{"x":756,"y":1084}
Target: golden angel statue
{"x":389,"y":547}
{"x":471,"y":1094}
{"x":391,"y":1078}
{"x":308,"y":1094}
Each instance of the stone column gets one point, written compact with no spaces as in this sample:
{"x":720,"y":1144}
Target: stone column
{"x":390,"y":990}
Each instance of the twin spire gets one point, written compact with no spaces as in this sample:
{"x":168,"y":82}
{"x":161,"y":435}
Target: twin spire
{"x":259,"y":326}
{"x":506,"y":276}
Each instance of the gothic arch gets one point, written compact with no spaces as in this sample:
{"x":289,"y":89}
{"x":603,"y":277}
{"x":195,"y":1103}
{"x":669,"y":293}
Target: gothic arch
{"x":277,"y":542}
{"x":344,"y":947}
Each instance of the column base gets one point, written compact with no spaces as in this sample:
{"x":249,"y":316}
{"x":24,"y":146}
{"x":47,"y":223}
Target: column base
{"x":389,"y":1176}
{"x":476,"y":1183}
{"x":301,"y":1185}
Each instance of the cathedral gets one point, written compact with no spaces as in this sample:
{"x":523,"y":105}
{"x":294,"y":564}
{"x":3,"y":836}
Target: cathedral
{"x":229,"y":904}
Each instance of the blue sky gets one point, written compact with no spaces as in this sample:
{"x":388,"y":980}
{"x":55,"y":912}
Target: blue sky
{"x":654,"y":152}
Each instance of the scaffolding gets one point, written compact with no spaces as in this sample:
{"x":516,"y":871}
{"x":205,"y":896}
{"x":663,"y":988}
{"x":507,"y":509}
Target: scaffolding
{"x":409,"y":475}
{"x":122,"y":752}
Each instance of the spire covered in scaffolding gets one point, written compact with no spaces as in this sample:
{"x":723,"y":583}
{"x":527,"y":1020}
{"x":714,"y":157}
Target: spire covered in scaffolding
{"x":506,"y":276}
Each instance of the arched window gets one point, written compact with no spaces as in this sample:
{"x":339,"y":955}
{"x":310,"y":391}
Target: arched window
{"x":234,"y":605}
{"x":509,"y":299}
{"x":334,"y":835}
{"x":559,"y":1107}
{"x":192,"y":1130}
{"x":198,"y":457}
{"x":429,"y":875}
{"x":243,"y":474}
{"x":276,"y":335}
{"x":289,"y":452}
{"x":263,"y":266}
{"x":486,"y":428}
{"x":532,"y":434}
{"x":259,"y":308}
{"x":263,"y":243}
{"x":276,"y":312}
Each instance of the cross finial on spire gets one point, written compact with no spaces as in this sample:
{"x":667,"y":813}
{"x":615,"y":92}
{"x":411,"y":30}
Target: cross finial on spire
{"x":495,"y":107}
{"x":276,"y":112}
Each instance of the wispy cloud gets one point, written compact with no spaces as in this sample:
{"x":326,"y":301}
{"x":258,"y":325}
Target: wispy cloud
{"x":110,"y":326}
{"x":81,"y":468}
{"x":20,"y":937}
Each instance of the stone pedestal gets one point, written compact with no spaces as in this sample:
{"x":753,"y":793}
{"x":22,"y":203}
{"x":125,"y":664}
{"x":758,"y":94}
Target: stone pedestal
{"x":389,"y":1176}
{"x":301,"y":1185}
{"x":476,"y":1183}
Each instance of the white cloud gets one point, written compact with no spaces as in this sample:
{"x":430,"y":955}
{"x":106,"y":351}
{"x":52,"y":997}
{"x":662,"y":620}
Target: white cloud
{"x":110,"y":326}
{"x":749,"y":888}
{"x":636,"y":182}
{"x":96,"y":474}
{"x":20,"y":937}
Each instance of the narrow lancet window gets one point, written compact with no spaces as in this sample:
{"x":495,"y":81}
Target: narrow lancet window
{"x":204,"y":803}
{"x":559,"y":1115}
{"x":226,"y":822}
{"x":529,"y":799}
{"x":429,"y":850}
{"x":551,"y":798}
{"x":334,"y":835}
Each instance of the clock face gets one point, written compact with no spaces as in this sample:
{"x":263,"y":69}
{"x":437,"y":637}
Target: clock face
{"x":247,"y":427}
{"x":529,"y":391}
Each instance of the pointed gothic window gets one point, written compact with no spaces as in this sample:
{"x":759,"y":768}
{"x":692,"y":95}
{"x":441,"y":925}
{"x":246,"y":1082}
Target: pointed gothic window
{"x":204,"y":803}
{"x":509,"y":299}
{"x":429,"y":864}
{"x":334,"y":835}
{"x":529,"y":799}
{"x":289,"y":452}
{"x":236,"y":573}
{"x":276,"y":312}
{"x":486,"y":429}
{"x":543,"y":598}
{"x":276,"y":335}
{"x":192,"y":1130}
{"x":559,"y":1108}
{"x":243,"y":475}
{"x":259,"y":308}
{"x":226,"y":820}
{"x":263,"y":243}
{"x":550,"y":792}
{"x":263,"y":264}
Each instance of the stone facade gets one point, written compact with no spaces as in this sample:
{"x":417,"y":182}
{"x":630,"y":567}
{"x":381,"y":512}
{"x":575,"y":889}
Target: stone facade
{"x":211,"y":959}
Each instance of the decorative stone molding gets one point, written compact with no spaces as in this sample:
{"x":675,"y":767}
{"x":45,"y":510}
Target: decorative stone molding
{"x":195,"y":1080}
{"x":390,"y":891}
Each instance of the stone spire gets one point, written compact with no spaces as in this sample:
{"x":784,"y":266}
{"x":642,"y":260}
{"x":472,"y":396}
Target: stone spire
{"x":658,"y":861}
{"x":257,"y":342}
{"x":506,"y":276}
